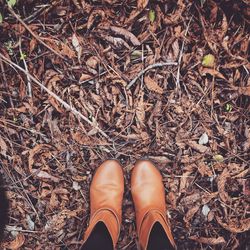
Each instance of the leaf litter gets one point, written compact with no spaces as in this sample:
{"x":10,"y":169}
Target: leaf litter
{"x":114,"y":89}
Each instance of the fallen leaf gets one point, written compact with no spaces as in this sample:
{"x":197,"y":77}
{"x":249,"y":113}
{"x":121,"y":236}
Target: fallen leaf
{"x":30,"y":223}
{"x":203,"y":139}
{"x":92,"y":62}
{"x":44,"y":175}
{"x":16,"y":243}
{"x":190,"y":213}
{"x":197,"y":147}
{"x":140,"y":110}
{"x":208,"y":61}
{"x":246,"y":144}
{"x":3,"y":147}
{"x":85,"y":77}
{"x":11,"y":3}
{"x":205,"y":210}
{"x":184,"y":178}
{"x":204,"y":169}
{"x":77,"y":46}
{"x":244,"y":90}
{"x":212,"y":72}
{"x":151,"y":16}
{"x":116,"y":41}
{"x":58,"y":221}
{"x":208,"y":241}
{"x":222,"y":179}
{"x":160,"y":159}
{"x":218,"y":158}
{"x":93,"y":16}
{"x":152,"y":85}
{"x":235,"y":225}
{"x":141,"y":4}
{"x":127,"y":34}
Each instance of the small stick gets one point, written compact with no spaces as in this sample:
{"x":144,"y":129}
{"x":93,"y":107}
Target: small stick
{"x":65,"y":104}
{"x":180,"y":57}
{"x":5,"y":83}
{"x":33,"y":33}
{"x":148,"y":68}
{"x":26,"y":68}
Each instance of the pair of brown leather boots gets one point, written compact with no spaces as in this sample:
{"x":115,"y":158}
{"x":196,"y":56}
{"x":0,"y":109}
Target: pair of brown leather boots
{"x":106,"y":194}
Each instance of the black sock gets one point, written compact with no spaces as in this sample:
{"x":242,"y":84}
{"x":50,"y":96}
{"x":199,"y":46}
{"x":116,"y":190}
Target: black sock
{"x":158,"y":239}
{"x":4,"y":205}
{"x":99,"y":239}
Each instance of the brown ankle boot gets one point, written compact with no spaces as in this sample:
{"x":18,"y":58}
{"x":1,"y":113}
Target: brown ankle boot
{"x":148,"y":194}
{"x":106,"y":193}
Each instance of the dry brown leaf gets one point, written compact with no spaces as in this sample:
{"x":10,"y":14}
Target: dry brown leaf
{"x":85,"y":77}
{"x":117,"y":41}
{"x":140,"y":110}
{"x":209,"y":241}
{"x":197,"y":147}
{"x":58,"y":221}
{"x":235,"y":225}
{"x":92,"y":62}
{"x":187,"y":159}
{"x":77,"y":46}
{"x":244,"y":90}
{"x":67,"y":51}
{"x":3,"y":147}
{"x":184,"y":178}
{"x":93,"y":16}
{"x":60,"y":47}
{"x":174,"y":17}
{"x":45,"y":176}
{"x":161,"y":159}
{"x":16,"y":243}
{"x":200,"y":198}
{"x":37,"y":149}
{"x":190,"y":213}
{"x":141,"y":4}
{"x":221,"y":185}
{"x":152,"y":85}
{"x":51,"y":78}
{"x":204,"y":169}
{"x":44,"y":150}
{"x":127,"y":34}
{"x":212,"y":72}
{"x":32,"y":45}
{"x":195,"y":201}
{"x":246,"y":144}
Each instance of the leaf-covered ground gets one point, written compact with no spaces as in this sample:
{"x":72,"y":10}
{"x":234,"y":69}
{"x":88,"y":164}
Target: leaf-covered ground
{"x":84,"y":81}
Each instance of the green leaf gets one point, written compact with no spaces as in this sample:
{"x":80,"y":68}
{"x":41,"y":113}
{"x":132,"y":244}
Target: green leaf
{"x":1,"y":18}
{"x":136,"y":54}
{"x":228,"y":107}
{"x":151,"y":16}
{"x":22,"y":56}
{"x":11,"y":3}
{"x":218,"y":158}
{"x":208,"y":61}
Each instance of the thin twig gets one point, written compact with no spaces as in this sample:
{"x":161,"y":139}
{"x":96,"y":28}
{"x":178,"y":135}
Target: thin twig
{"x":22,"y":56}
{"x":33,"y":33}
{"x":156,"y":65}
{"x":5,"y":83}
{"x":180,"y":56}
{"x":65,"y":104}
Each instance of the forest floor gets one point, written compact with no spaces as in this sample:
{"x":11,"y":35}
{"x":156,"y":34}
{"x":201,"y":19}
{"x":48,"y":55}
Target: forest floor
{"x":85,"y":81}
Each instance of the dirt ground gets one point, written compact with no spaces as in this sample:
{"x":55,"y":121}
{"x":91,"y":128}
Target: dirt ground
{"x":84,"y":81}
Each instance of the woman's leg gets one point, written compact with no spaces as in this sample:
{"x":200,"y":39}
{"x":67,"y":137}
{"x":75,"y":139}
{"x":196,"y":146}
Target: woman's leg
{"x":158,"y":239}
{"x":99,"y":239}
